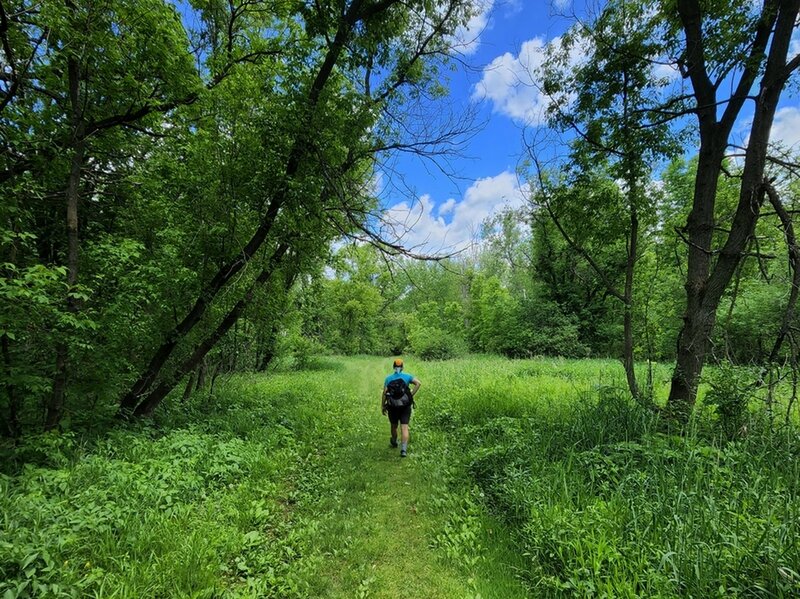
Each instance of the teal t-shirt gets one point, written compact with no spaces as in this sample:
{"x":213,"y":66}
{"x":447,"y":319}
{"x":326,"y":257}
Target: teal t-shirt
{"x":398,"y":375}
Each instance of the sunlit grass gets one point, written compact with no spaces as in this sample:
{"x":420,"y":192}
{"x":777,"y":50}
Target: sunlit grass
{"x":604,"y":498}
{"x":526,"y":478}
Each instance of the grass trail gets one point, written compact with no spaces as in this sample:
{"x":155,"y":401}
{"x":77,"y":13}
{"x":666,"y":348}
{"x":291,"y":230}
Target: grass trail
{"x":379,"y":537}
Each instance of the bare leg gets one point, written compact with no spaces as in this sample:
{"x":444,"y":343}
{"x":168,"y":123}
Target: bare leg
{"x":403,"y":433}
{"x":404,"y":443}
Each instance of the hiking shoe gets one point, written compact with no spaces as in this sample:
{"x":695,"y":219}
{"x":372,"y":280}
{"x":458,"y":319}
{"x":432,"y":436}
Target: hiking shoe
{"x":402,"y":453}
{"x":393,"y":443}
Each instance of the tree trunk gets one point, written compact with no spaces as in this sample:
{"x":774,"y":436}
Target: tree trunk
{"x":13,"y":428}
{"x":55,"y":408}
{"x":187,"y":391}
{"x":215,"y":370}
{"x":160,"y":391}
{"x":703,"y":290}
{"x":220,"y":279}
{"x":627,"y":321}
{"x":269,"y":346}
{"x":794,"y":267}
{"x":202,"y":368}
{"x":13,"y":425}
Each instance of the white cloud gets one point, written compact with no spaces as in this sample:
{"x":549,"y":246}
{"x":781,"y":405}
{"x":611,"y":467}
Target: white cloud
{"x":508,"y":83}
{"x":424,"y":228}
{"x":376,"y":183}
{"x":562,"y":4}
{"x":794,"y":46}
{"x":666,"y":71}
{"x":467,"y":37}
{"x":786,"y":128}
{"x":447,"y":207}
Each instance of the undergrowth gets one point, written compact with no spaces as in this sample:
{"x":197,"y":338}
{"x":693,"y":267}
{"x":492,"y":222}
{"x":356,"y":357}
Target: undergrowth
{"x":206,"y":501}
{"x":542,"y":468}
{"x":599,"y":498}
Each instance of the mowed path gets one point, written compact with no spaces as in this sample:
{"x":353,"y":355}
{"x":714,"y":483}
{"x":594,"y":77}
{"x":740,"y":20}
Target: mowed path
{"x":379,"y":539}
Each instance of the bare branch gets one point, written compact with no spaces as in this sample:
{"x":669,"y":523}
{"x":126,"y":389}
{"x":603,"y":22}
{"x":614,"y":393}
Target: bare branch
{"x":794,"y":265}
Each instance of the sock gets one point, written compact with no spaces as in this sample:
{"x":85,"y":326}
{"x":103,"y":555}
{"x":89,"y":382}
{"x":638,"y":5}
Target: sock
{"x":393,"y":440}
{"x":403,"y":446}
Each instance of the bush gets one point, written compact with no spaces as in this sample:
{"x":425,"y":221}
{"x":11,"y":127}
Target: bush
{"x":300,"y":350}
{"x":431,"y":343}
{"x":729,"y":395}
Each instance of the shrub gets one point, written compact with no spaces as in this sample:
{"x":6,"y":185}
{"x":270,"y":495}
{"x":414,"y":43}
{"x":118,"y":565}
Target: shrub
{"x":432,"y":343}
{"x":729,"y":395}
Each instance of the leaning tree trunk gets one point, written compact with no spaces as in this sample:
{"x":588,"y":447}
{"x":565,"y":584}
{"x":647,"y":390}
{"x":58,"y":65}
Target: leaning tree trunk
{"x":160,"y":391}
{"x":142,"y":390}
{"x":794,"y":267}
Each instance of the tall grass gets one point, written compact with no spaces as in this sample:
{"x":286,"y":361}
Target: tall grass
{"x":601,"y":501}
{"x":552,"y":471}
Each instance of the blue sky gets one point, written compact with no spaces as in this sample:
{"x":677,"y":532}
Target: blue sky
{"x":443,"y":211}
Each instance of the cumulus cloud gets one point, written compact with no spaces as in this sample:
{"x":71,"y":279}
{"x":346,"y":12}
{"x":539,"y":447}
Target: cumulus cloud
{"x":447,"y":207}
{"x":467,"y":37}
{"x":786,"y":128}
{"x":508,"y":83}
{"x":426,"y":228}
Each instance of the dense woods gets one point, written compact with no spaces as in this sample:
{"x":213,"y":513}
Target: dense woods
{"x":191,"y":190}
{"x":166,"y":169}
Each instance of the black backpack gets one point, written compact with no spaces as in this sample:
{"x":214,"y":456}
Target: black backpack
{"x":398,"y":394}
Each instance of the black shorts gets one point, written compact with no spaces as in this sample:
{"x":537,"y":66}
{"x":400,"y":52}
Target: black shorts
{"x":401,"y":415}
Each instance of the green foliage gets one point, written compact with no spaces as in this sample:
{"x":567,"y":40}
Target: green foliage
{"x":435,"y":331}
{"x":180,"y":149}
{"x":268,"y":488}
{"x":566,"y":284}
{"x":211,"y":500}
{"x":599,"y":501}
{"x":730,"y":394}
{"x":301,"y":351}
{"x":459,"y":539}
{"x":434,"y":343}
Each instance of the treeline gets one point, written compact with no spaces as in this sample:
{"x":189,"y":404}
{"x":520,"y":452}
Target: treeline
{"x":523,"y":291}
{"x":173,"y":177}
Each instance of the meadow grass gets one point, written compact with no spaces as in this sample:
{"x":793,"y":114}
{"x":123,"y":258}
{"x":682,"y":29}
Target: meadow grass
{"x":204,"y":501}
{"x":534,"y":478}
{"x":602,"y":500}
{"x":276,"y":486}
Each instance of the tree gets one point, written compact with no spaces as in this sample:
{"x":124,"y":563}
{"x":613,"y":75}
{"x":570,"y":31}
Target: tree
{"x":74,"y":73}
{"x":606,"y":102}
{"x":371,"y":52}
{"x":741,"y":47}
{"x":210,"y":167}
{"x":744,"y":48}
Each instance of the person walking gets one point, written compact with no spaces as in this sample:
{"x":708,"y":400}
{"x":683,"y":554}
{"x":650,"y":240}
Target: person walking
{"x":397,"y":400}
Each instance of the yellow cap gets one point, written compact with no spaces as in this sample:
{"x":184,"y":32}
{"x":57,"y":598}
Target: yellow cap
{"x":398,"y":363}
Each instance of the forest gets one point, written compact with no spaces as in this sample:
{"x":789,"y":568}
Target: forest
{"x":203,"y":287}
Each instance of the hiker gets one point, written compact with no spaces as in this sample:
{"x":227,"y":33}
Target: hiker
{"x":397,"y":400}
